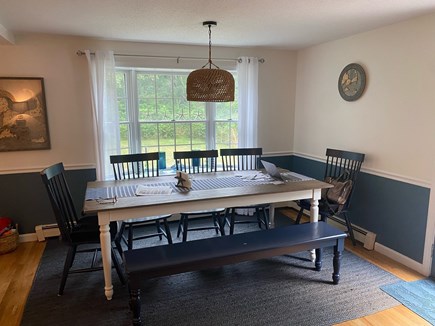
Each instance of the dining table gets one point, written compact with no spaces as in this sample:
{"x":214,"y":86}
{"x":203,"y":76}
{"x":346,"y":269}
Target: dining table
{"x":117,"y":200}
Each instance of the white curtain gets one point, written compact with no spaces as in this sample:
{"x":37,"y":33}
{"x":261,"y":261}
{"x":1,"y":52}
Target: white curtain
{"x":104,"y":109}
{"x":247,"y":74}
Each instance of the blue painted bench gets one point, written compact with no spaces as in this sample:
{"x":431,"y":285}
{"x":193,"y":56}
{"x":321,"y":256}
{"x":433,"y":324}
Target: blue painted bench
{"x":201,"y":254}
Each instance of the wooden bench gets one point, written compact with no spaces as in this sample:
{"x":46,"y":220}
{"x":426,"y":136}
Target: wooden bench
{"x":201,"y":254}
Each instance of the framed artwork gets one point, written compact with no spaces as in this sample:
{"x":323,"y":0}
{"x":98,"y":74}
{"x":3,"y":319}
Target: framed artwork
{"x":23,"y":114}
{"x":352,"y":82}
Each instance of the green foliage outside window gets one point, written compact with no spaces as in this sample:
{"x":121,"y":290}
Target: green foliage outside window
{"x":160,"y":118}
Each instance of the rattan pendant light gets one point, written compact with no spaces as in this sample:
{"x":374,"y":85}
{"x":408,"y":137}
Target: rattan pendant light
{"x":210,"y":84}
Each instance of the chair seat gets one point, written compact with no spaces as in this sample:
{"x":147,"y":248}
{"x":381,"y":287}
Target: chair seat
{"x":341,"y":170}
{"x":88,"y":230}
{"x":252,"y":206}
{"x":324,"y":208}
{"x":131,"y":223}
{"x":262,"y":218}
{"x":76,"y":232}
{"x":139,"y":166}
{"x":146,"y":219}
{"x":209,"y":211}
{"x":196,"y":162}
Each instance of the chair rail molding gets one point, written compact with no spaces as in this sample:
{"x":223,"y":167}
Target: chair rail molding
{"x":379,"y":173}
{"x":37,"y":169}
{"x":270,"y":154}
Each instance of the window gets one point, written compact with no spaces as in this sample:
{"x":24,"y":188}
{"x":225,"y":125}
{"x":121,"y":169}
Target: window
{"x":155,"y":115}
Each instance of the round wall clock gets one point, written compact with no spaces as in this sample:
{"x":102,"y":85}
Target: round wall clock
{"x":352,"y":82}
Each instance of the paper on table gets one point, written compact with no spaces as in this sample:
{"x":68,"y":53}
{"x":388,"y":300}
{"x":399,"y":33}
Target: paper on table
{"x":252,"y":176}
{"x":144,"y":190}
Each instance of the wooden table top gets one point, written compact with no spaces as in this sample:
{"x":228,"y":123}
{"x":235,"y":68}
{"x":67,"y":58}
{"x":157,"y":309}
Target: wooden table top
{"x":92,"y":206}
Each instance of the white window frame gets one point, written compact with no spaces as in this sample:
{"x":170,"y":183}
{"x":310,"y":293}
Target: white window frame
{"x":132,"y":103}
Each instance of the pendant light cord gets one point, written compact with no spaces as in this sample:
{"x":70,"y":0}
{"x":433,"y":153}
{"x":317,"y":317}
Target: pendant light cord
{"x":209,"y":45}
{"x":210,"y":63}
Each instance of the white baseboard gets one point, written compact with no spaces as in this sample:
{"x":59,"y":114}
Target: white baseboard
{"x":41,"y":232}
{"x":402,"y":259}
{"x":28,"y":237}
{"x":390,"y":253}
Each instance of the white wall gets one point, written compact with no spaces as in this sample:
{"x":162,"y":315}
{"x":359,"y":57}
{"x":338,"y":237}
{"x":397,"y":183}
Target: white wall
{"x":68,"y":101}
{"x":66,"y":96}
{"x":393,"y":122}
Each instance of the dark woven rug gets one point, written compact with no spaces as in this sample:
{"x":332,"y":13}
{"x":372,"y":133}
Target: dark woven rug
{"x":285,"y":290}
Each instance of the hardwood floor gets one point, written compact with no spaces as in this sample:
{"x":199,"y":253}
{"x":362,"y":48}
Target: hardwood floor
{"x":17,"y":270}
{"x":399,"y":315}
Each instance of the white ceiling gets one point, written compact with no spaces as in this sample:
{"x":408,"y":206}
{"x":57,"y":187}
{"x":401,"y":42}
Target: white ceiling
{"x":288,"y":24}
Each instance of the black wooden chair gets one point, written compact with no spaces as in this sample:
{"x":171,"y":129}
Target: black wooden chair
{"x":243,"y":159}
{"x":135,"y":166}
{"x":339,"y":163}
{"x":75,"y":231}
{"x":193,"y":162}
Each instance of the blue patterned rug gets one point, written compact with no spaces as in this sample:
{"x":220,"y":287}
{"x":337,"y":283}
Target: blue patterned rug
{"x":419,"y":296}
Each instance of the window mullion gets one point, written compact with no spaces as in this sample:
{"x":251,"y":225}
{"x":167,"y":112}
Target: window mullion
{"x":210,"y":109}
{"x":134,"y":114}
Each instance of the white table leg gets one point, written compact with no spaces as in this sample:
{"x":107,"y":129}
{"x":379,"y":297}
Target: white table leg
{"x":272,"y":216}
{"x":314,"y":216}
{"x":107,"y":259}
{"x":314,"y":211}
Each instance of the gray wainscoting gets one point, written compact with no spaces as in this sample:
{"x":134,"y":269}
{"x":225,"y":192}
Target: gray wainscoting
{"x":396,"y":211}
{"x":25,"y":199}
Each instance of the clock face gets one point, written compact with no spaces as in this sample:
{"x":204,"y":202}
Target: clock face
{"x":351,"y":82}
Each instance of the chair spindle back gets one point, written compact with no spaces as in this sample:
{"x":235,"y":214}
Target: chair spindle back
{"x":61,"y":200}
{"x":196,"y":161}
{"x":238,"y":159}
{"x":338,"y":162}
{"x":344,"y":164}
{"x":134,"y":166}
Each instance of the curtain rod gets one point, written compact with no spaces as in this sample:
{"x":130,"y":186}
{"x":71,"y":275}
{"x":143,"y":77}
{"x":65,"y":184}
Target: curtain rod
{"x":80,"y":53}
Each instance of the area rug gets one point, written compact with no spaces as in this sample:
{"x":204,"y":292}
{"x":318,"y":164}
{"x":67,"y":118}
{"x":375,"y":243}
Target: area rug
{"x":419,"y":296}
{"x":284,"y":290}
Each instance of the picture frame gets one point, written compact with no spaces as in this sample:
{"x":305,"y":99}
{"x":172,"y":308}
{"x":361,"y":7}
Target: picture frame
{"x":23,"y":114}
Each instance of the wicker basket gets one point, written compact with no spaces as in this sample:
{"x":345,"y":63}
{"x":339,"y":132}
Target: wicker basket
{"x":8,"y":243}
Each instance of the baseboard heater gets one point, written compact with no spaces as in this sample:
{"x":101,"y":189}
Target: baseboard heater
{"x":355,"y":228}
{"x":46,"y":231}
{"x":366,"y":237}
